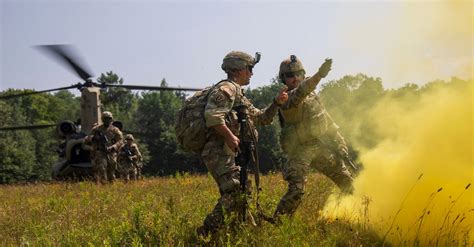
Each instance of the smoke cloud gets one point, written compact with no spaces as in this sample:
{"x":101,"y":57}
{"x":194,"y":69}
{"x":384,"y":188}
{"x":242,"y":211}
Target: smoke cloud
{"x":414,"y":42}
{"x":416,"y":185}
{"x":416,"y":181}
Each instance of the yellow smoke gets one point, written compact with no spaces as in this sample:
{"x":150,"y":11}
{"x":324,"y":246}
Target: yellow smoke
{"x":432,"y":38}
{"x":412,"y":41}
{"x":431,"y":136}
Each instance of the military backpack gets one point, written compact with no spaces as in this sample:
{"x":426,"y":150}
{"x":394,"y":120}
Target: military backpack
{"x":191,"y":129}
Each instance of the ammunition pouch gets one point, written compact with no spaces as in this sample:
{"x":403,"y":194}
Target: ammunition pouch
{"x":293,"y":136}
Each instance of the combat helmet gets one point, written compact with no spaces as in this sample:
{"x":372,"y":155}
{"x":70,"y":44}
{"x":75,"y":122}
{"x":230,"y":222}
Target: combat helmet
{"x":107,"y":114}
{"x":129,"y":137}
{"x":237,"y":60}
{"x":292,"y":64}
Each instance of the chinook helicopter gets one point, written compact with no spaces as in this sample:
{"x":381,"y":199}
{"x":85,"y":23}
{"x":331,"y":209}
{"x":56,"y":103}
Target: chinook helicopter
{"x":74,"y":158}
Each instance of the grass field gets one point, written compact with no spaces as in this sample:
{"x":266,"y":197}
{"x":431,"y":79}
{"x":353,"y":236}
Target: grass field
{"x":166,"y":211}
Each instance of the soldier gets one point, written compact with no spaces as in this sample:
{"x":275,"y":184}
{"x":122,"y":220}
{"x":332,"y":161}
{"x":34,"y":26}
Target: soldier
{"x":128,"y":158}
{"x":222,"y":142}
{"x":138,"y":169}
{"x":106,"y":140}
{"x":307,"y":128}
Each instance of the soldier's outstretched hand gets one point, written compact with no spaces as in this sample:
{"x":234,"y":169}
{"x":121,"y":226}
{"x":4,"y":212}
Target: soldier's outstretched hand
{"x":282,"y":96}
{"x":325,"y":68}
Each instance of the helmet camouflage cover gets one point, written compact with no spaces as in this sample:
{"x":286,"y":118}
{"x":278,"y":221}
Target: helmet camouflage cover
{"x":107,"y":114}
{"x":129,"y":137}
{"x":292,"y":64}
{"x":237,"y":60}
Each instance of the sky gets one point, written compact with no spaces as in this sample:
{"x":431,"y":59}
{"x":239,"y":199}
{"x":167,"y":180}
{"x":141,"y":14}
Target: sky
{"x":185,"y":41}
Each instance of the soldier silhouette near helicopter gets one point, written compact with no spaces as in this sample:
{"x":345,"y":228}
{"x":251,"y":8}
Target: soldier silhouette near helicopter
{"x":106,"y":139}
{"x":129,"y":160}
{"x":74,"y":156}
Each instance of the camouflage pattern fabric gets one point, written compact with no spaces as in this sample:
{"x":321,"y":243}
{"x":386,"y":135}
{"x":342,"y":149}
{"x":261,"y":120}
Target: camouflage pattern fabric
{"x":138,"y":168}
{"x":105,"y":163}
{"x":296,"y":170}
{"x":236,"y":60}
{"x":306,"y":123}
{"x":105,"y":166}
{"x":128,"y":165}
{"x":218,"y":157}
{"x":227,"y":96}
{"x":288,"y":65}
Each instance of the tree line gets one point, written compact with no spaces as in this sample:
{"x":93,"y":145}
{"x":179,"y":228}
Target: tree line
{"x":27,"y":155}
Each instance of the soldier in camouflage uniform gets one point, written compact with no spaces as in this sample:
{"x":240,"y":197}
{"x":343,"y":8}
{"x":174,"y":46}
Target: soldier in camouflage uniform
{"x":307,"y":128}
{"x":106,"y":140}
{"x":222,"y":144}
{"x":128,"y":158}
{"x":139,"y":168}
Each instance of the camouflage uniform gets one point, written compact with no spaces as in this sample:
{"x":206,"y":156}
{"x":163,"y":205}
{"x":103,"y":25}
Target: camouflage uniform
{"x":105,"y":163}
{"x":138,"y":169}
{"x":217,"y":156}
{"x":128,"y":158}
{"x":306,"y":130}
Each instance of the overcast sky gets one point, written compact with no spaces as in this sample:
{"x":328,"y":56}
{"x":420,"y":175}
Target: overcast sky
{"x":184,"y":42}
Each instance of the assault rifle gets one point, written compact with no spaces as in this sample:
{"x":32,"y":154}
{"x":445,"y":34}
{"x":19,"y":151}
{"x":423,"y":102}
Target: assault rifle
{"x":344,"y":155}
{"x":103,"y":142}
{"x":127,"y":152}
{"x":246,"y":155}
{"x":341,"y":154}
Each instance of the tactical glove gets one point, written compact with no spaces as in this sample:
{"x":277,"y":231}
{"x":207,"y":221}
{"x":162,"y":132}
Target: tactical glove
{"x":325,"y":68}
{"x":343,"y":150}
{"x":110,"y":149}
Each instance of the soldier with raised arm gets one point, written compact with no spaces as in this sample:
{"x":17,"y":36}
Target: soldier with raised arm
{"x":307,"y":129}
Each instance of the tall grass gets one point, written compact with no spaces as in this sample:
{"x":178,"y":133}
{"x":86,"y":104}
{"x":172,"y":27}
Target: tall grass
{"x":166,"y":211}
{"x":400,"y":209}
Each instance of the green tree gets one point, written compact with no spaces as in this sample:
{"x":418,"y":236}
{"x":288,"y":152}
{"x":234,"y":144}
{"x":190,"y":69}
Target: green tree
{"x":120,"y":101}
{"x":17,"y":148}
{"x":348,"y":101}
{"x":29,"y":154}
{"x":156,"y":115}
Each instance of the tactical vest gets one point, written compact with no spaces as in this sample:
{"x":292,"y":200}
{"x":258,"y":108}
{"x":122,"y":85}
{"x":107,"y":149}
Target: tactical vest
{"x":110,"y":134}
{"x":232,"y":120}
{"x":305,"y":123}
{"x":126,"y":151}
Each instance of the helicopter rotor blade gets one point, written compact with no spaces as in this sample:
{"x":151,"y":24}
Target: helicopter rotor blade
{"x":9,"y":96}
{"x":155,"y":88}
{"x":30,"y":127}
{"x":66,"y":55}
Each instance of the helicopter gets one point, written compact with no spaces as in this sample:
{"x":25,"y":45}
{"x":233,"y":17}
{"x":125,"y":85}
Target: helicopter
{"x":74,"y":160}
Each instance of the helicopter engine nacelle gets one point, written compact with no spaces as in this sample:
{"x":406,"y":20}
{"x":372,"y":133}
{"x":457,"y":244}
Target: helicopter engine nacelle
{"x":66,"y":128}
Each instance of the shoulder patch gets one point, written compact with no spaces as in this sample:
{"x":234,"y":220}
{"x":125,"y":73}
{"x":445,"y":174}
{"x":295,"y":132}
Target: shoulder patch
{"x":228,"y":88}
{"x":219,"y":98}
{"x":227,"y":91}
